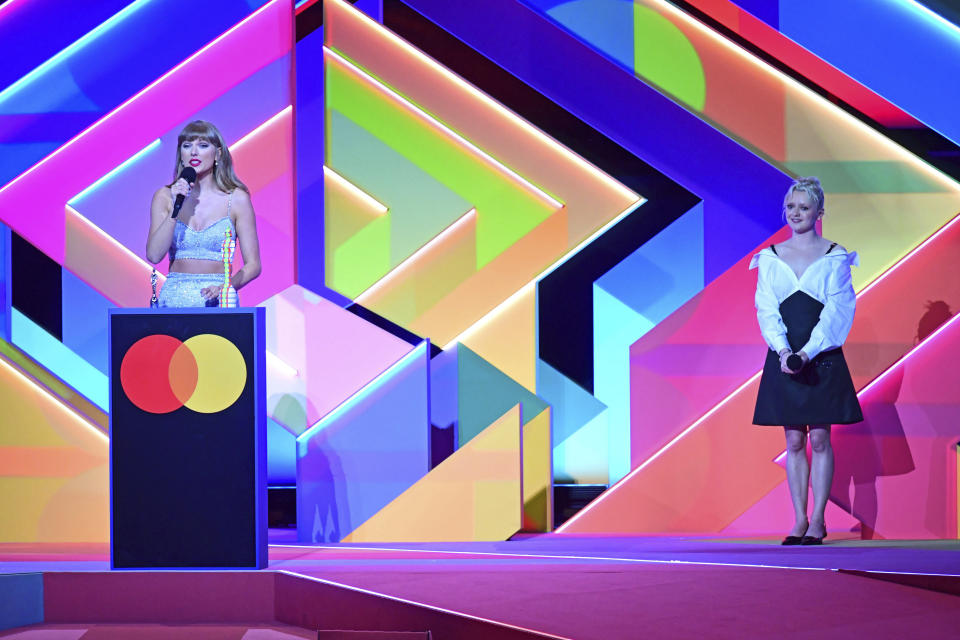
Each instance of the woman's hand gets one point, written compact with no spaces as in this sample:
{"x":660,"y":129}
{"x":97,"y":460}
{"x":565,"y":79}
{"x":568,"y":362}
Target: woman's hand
{"x":786,"y":353}
{"x":783,"y":361}
{"x":210,"y":293}
{"x":180,"y":188}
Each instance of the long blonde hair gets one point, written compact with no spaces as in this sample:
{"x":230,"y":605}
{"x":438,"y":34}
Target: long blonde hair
{"x":223,"y":173}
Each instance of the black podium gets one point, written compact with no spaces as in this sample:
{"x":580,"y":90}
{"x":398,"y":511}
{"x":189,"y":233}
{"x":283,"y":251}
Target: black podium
{"x":188,"y":442}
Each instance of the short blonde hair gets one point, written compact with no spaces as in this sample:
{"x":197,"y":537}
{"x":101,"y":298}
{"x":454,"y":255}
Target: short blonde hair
{"x":810,"y":186}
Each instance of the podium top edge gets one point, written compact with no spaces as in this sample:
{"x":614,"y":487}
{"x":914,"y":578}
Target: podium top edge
{"x":190,"y":310}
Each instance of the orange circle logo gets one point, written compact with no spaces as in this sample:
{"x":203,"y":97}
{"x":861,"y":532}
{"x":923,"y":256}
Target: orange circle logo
{"x":205,"y":373}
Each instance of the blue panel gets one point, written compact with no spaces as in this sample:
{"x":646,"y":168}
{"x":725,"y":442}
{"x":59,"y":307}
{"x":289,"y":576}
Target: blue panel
{"x":21,"y":599}
{"x":102,"y":71}
{"x":23,"y":46}
{"x":5,"y":288}
{"x":281,"y":455}
{"x":310,"y":159}
{"x":365,"y":452}
{"x":60,"y":360}
{"x":582,"y":457}
{"x":14,"y":155}
{"x":671,"y":268}
{"x":373,"y":8}
{"x":898,"y":48}
{"x":85,"y":320}
{"x":606,"y":24}
{"x":444,"y":407}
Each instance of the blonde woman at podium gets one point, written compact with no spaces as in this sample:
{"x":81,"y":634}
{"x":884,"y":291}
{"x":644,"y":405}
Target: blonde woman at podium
{"x":198,"y":219}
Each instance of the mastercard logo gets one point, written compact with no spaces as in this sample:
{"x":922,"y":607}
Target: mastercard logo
{"x":205,"y":373}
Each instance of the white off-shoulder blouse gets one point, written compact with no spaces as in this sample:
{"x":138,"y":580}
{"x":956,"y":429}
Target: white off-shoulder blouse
{"x":828,"y":280}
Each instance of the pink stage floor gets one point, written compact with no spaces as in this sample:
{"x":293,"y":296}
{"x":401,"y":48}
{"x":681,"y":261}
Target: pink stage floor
{"x":603,"y":588}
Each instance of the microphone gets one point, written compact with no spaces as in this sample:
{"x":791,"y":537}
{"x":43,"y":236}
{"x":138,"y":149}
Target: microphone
{"x":190,"y":175}
{"x":794,"y":362}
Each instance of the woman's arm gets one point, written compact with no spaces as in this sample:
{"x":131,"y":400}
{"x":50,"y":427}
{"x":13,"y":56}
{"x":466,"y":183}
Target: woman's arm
{"x":836,"y":319}
{"x":246,"y":225}
{"x":768,"y":312}
{"x":161,"y":225}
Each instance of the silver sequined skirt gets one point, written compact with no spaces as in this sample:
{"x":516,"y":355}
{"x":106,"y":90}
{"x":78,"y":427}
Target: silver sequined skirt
{"x":183,"y":289}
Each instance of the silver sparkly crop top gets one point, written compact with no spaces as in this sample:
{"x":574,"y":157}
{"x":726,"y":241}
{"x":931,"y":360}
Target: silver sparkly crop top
{"x":204,"y":244}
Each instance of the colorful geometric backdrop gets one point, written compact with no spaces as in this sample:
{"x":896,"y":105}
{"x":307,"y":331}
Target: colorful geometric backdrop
{"x":505,"y":247}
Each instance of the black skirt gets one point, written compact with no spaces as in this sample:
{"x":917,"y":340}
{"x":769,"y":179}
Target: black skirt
{"x":820,"y":393}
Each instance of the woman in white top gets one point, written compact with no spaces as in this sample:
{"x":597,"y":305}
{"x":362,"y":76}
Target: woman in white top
{"x":805,"y":305}
{"x":215,"y":202}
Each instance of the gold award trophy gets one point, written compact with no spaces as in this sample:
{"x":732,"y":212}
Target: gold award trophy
{"x":228,"y":295}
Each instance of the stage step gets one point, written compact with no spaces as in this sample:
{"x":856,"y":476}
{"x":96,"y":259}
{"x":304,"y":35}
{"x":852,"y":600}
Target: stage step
{"x":373,"y":635}
{"x":158,"y":632}
{"x":285,"y":605}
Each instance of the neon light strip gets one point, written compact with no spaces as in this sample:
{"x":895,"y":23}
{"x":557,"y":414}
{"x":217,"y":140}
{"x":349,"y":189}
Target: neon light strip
{"x":126,"y":163}
{"x":350,"y":402}
{"x":48,"y":64}
{"x":516,"y":295}
{"x":459,"y":614}
{"x":394,"y":273}
{"x":239,"y":143}
{"x":535,"y":556}
{"x":855,"y":124}
{"x":493,"y":104}
{"x":600,"y":498}
{"x":896,"y":365}
{"x":372,"y":202}
{"x":447,"y":131}
{"x":279,"y":363}
{"x":303,"y":5}
{"x":146,"y":89}
{"x":927,"y":12}
{"x":56,"y":401}
{"x":9,"y":3}
{"x":114,"y":241}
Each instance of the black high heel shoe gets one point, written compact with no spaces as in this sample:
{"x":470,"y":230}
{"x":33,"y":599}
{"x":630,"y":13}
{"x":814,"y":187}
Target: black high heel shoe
{"x":809,"y":541}
{"x":792,"y":541}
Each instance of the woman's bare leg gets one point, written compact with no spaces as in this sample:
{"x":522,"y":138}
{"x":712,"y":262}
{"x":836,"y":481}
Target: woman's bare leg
{"x":821,"y":476}
{"x":798,"y":475}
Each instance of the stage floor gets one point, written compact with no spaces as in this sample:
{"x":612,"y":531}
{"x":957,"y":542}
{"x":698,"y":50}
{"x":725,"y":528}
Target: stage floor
{"x":620,"y":587}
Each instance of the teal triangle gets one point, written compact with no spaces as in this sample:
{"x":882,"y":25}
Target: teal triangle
{"x":486,"y":393}
{"x":573,"y":406}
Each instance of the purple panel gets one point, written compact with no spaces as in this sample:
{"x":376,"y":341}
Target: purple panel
{"x":311,"y":264}
{"x":766,"y":10}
